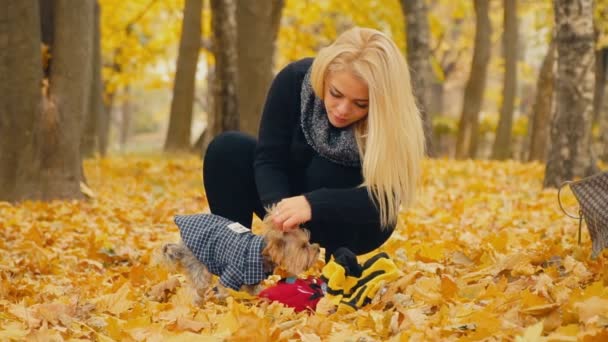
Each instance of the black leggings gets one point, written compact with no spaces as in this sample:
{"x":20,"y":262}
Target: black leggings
{"x":229,"y":181}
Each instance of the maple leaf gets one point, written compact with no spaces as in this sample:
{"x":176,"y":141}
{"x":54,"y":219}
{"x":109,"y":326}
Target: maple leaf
{"x":310,"y":337}
{"x":174,"y":314}
{"x":591,"y":309}
{"x":56,"y":313}
{"x":565,"y":333}
{"x":532,"y":333}
{"x":25,"y":314}
{"x":13,"y":331}
{"x":183,"y":324}
{"x":115,"y":303}
{"x":160,"y":292}
{"x":44,"y":334}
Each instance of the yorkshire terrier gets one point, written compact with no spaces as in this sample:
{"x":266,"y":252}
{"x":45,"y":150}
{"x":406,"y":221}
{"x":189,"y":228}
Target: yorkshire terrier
{"x":211,"y":244}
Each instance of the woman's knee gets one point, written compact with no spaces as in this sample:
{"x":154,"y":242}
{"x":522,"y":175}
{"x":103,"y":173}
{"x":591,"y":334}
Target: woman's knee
{"x":229,"y":159}
{"x":230,"y":146}
{"x":229,"y":150}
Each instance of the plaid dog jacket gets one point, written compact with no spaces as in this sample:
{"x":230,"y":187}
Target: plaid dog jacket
{"x":226,"y":248}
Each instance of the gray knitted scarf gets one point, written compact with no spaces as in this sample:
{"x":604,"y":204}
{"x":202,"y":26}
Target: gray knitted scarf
{"x":336,"y":144}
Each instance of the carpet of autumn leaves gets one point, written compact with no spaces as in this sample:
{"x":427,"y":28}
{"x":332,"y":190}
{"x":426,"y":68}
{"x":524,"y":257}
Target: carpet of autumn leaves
{"x":486,"y":254}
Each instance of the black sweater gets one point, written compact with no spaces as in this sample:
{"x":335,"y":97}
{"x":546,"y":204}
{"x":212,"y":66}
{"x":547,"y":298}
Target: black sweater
{"x":282,"y":154}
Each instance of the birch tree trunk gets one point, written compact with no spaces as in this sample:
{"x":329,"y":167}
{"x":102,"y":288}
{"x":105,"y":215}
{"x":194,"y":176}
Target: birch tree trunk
{"x":569,"y":153}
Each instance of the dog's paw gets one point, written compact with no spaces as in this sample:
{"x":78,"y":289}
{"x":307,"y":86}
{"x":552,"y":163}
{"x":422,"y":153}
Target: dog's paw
{"x":220,"y":294}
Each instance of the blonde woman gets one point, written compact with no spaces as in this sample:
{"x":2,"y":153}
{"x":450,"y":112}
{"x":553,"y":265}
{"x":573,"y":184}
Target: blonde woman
{"x":339,"y":147}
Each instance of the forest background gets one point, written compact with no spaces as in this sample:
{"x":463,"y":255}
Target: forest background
{"x":108,"y":105}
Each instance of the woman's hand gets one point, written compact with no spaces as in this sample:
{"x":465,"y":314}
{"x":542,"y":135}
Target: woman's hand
{"x":291,"y":212}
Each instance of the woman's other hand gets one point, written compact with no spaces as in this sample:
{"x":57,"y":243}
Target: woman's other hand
{"x":291,"y":212}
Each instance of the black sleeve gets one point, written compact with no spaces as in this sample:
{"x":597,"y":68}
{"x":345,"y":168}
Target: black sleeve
{"x":272,"y":151}
{"x":352,"y":205}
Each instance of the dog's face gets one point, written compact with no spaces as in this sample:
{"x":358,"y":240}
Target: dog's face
{"x":291,"y":250}
{"x":178,"y":256}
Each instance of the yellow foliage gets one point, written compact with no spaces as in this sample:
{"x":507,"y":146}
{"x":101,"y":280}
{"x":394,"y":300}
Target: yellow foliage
{"x":308,"y":26}
{"x":485,"y":255}
{"x":136,"y":35}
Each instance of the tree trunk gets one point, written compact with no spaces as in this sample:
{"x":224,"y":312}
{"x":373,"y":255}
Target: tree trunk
{"x":47,"y":30}
{"x":126,"y":111}
{"x":600,"y":105}
{"x":468,"y":126}
{"x":419,"y":60}
{"x":601,"y":59}
{"x":502,"y":144}
{"x":67,"y":100}
{"x":603,"y":143}
{"x":436,"y":108}
{"x":20,"y":102}
{"x":257,"y":29}
{"x":200,"y":146}
{"x":225,"y":81}
{"x":105,"y":120}
{"x":94,"y":116}
{"x":541,"y":110}
{"x":569,"y":154}
{"x":40,"y":130}
{"x":180,"y":122}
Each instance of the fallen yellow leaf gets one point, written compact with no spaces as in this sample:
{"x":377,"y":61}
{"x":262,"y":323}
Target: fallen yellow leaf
{"x":115,"y":303}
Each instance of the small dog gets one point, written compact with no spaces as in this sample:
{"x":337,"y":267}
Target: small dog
{"x":214,"y":245}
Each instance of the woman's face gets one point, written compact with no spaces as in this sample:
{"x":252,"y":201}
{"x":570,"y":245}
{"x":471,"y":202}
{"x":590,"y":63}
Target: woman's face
{"x":346,"y":98}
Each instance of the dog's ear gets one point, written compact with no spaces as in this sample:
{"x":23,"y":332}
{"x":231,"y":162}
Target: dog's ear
{"x":270,"y":233}
{"x":275,"y":238}
{"x":174,"y":251}
{"x":274,"y":250}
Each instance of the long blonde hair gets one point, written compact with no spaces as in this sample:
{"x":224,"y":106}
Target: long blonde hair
{"x":390,"y":138}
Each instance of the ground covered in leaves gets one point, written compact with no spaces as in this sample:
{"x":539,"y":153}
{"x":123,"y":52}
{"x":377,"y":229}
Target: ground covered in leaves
{"x":486,"y":254}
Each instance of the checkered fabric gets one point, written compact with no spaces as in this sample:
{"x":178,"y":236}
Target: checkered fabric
{"x":592,"y":195}
{"x":228,"y":249}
